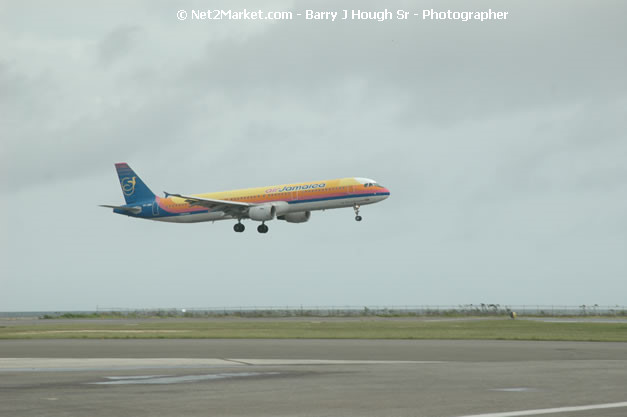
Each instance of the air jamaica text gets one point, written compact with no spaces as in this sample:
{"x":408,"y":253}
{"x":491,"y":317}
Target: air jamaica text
{"x":295,"y":188}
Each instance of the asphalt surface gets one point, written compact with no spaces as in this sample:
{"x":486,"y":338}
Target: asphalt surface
{"x":311,"y":378}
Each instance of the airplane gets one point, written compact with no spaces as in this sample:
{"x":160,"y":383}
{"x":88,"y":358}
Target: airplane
{"x":292,"y":203}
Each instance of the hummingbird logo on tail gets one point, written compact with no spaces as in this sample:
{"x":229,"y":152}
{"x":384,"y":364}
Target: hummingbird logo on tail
{"x":128,"y":185}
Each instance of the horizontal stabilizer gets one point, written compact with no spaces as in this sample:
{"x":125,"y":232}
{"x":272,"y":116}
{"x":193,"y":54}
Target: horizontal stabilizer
{"x":132,"y":210}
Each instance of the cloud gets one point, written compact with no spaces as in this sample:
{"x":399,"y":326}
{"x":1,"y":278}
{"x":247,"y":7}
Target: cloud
{"x":117,"y":44}
{"x":191,"y":82}
{"x":502,"y":143}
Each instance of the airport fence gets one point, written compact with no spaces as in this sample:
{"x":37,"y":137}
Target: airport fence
{"x":340,"y":311}
{"x":384,"y":311}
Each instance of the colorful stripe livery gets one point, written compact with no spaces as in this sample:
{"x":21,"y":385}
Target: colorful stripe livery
{"x":333,"y":190}
{"x":289,"y":202}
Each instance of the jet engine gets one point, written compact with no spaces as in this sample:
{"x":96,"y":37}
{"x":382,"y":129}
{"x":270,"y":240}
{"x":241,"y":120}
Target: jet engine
{"x":298,"y":217}
{"x":262,"y":213}
{"x":281,"y":207}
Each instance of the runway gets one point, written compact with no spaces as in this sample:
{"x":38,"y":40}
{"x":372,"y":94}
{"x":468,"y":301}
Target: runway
{"x":312,"y":378}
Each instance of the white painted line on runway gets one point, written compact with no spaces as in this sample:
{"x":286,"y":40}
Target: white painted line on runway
{"x":288,"y":362}
{"x":181,"y":379}
{"x":76,"y":364}
{"x":518,"y":389}
{"x":551,"y":410}
{"x":70,"y":364}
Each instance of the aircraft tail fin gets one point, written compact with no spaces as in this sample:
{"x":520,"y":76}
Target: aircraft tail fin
{"x":133,"y":187}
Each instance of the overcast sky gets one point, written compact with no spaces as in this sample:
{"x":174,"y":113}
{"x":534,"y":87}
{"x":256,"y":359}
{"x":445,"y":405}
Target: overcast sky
{"x":503,"y":144}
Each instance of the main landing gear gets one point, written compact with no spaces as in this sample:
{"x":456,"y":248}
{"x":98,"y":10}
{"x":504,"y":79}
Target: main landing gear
{"x":239,"y":227}
{"x":356,"y":208}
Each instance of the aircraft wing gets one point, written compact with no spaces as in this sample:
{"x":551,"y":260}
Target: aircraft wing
{"x":228,"y":207}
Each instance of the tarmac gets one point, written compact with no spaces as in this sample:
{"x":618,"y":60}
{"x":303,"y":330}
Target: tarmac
{"x":438,"y":378}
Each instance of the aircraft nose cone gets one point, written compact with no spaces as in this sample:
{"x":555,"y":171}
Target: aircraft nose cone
{"x":387,"y":192}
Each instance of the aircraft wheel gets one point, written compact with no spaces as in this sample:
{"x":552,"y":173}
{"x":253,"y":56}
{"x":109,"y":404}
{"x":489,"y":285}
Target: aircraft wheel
{"x":238,"y":227}
{"x":356,"y":208}
{"x":262,"y":228}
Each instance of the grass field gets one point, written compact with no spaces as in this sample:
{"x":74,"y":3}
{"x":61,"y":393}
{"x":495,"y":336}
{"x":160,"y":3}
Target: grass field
{"x":495,"y":329}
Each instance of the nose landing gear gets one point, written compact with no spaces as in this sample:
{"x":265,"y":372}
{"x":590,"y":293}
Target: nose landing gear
{"x":239,"y":227}
{"x":262,"y":228}
{"x":357,"y":216}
